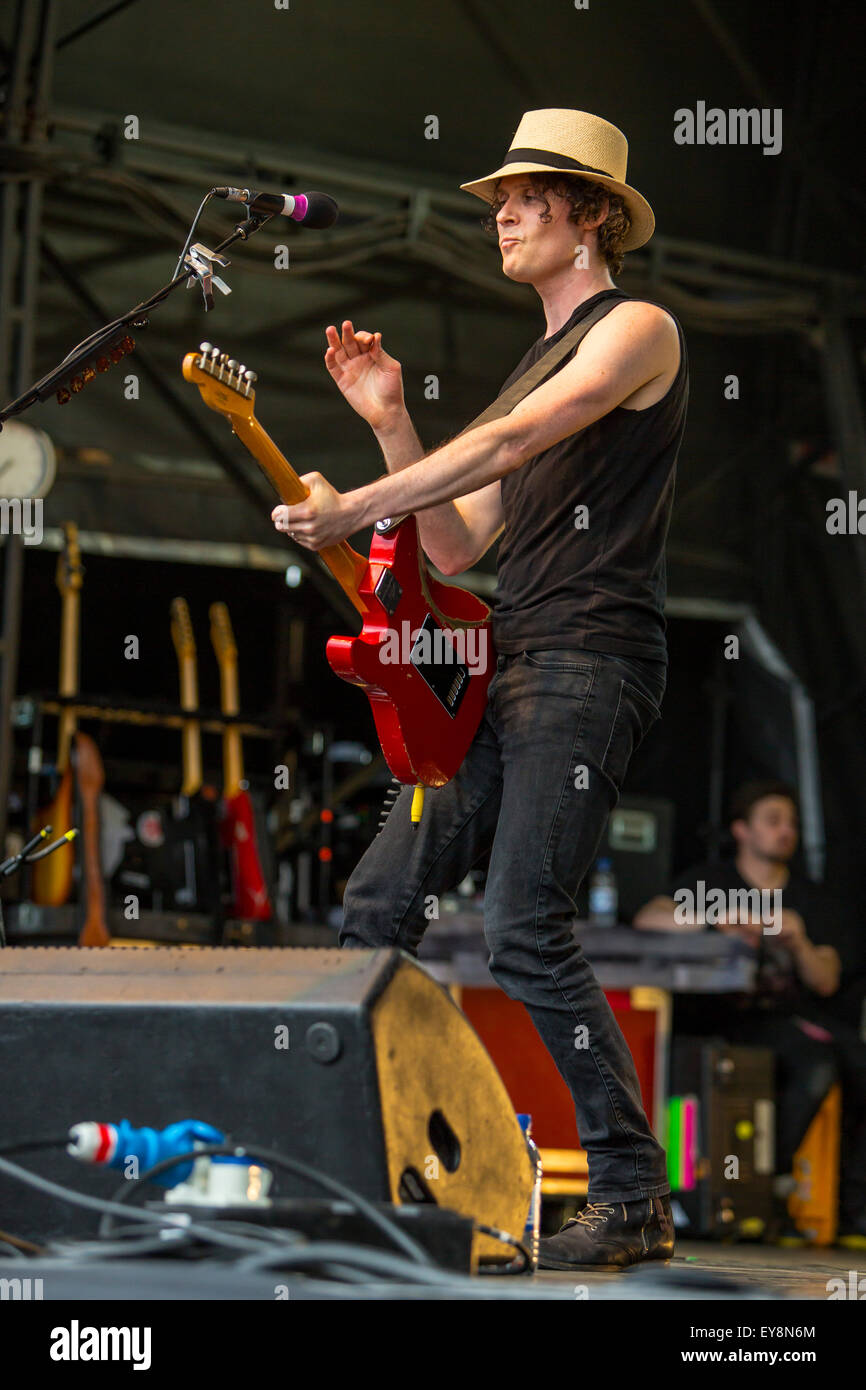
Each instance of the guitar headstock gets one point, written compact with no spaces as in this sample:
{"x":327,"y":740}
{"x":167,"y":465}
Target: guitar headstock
{"x":225,"y":385}
{"x":221,"y":633}
{"x":181,"y":628}
{"x":70,"y":571}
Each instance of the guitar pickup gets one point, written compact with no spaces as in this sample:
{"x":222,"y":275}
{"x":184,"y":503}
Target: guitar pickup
{"x":435,"y":660}
{"x":388,"y":591}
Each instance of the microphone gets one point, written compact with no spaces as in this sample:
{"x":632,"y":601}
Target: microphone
{"x":308,"y":209}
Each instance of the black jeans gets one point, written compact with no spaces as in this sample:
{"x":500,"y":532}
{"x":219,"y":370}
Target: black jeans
{"x":536,"y":787}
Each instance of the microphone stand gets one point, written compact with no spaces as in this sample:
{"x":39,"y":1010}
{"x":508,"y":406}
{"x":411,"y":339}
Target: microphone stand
{"x":111,"y":342}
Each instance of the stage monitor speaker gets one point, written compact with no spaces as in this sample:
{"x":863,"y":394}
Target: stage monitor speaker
{"x":356,"y":1062}
{"x":724,"y":1185}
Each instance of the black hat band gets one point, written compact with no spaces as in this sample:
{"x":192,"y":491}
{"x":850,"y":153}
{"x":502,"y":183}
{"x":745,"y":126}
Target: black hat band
{"x":559,"y":161}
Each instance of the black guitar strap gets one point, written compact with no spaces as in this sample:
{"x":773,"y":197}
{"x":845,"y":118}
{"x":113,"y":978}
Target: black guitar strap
{"x":504,"y":404}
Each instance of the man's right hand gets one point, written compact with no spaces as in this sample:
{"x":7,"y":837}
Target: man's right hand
{"x":747,"y":928}
{"x":368,"y":377}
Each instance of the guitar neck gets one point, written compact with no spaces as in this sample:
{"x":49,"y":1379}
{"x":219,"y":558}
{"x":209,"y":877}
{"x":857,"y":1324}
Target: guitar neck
{"x":345,"y":564}
{"x":233,"y":758}
{"x":69,"y":624}
{"x":191,"y":753}
{"x":191,"y":732}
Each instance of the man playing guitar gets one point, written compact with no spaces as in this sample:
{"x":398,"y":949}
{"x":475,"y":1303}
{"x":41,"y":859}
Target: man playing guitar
{"x":578,"y":478}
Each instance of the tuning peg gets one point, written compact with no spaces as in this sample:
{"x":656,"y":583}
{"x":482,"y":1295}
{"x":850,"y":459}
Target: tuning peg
{"x":223,"y":359}
{"x":232,"y":366}
{"x":205,"y":348}
{"x":250,"y":380}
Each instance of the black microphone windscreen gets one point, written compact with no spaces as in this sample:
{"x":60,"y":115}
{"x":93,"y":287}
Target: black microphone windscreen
{"x":322,"y":211}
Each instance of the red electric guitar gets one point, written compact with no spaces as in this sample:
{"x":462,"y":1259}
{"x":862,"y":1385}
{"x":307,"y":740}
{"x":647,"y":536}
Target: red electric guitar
{"x":424,"y":654}
{"x":249,"y":892}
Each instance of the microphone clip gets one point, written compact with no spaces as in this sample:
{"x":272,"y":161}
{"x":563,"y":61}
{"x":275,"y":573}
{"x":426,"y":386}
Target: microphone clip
{"x":251,"y":223}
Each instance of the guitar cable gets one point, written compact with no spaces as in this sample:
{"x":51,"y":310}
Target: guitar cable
{"x":14,"y":862}
{"x":262,"y":1247}
{"x":191,"y":233}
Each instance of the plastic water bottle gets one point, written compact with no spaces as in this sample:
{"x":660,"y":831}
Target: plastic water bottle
{"x":603,"y":896}
{"x":532,"y":1230}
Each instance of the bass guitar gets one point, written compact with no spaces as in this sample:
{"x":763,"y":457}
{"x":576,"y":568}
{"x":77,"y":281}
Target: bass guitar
{"x":424,"y":655}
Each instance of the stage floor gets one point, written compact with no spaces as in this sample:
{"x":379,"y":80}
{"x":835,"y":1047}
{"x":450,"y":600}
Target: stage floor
{"x":762,"y":1270}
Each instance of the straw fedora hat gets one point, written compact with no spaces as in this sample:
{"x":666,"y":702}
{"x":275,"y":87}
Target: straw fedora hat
{"x":558,"y":140}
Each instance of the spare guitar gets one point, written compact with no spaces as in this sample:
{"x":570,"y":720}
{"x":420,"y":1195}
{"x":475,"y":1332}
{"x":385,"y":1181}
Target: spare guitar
{"x":91,"y":779}
{"x":51,"y":883}
{"x":190,"y":852}
{"x":173,"y":860}
{"x":429,"y":698}
{"x":249,"y":892}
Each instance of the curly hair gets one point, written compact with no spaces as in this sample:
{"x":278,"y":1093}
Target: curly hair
{"x":587,"y":200}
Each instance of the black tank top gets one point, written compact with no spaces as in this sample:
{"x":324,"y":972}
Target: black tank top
{"x":602,"y":586}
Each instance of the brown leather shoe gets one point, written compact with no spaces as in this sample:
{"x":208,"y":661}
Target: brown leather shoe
{"x":612,"y":1236}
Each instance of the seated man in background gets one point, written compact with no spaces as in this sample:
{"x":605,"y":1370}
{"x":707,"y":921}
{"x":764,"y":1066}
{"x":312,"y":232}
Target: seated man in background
{"x":803,"y":947}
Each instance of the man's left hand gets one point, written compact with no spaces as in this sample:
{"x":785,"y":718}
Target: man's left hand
{"x":793,"y":930}
{"x":322,"y":519}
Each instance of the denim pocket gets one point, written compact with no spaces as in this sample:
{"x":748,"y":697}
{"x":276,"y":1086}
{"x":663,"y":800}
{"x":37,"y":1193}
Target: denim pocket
{"x":634,"y":716}
{"x":557,"y":659}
